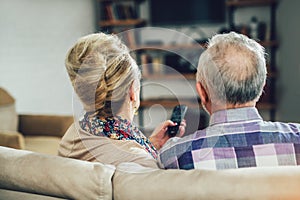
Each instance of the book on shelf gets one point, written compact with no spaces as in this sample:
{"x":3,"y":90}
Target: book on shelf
{"x":152,"y":65}
{"x":108,"y":13}
{"x":146,"y":67}
{"x":117,"y":11}
{"x":129,"y":38}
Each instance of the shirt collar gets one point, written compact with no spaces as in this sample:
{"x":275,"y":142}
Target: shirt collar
{"x":234,"y":115}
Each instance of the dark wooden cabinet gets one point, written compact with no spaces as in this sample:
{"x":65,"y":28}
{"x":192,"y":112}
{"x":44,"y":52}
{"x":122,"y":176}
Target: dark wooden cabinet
{"x":270,"y":43}
{"x":114,"y":16}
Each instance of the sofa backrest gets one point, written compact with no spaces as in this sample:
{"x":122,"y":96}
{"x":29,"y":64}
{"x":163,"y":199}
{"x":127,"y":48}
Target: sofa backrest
{"x":74,"y":179}
{"x":44,"y":125}
{"x":236,"y":184}
{"x":26,"y":171}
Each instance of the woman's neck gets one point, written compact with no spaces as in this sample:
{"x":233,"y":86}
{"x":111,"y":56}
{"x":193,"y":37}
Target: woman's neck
{"x":126,"y":111}
{"x":125,"y":115}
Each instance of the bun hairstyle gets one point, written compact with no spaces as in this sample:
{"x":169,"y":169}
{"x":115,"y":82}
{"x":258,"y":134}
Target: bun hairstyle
{"x":101,"y":71}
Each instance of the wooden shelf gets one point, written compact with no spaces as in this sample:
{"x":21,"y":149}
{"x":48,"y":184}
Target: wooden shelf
{"x":127,"y":22}
{"x":168,"y":103}
{"x":188,"y":76}
{"x":273,"y":43}
{"x":242,"y":3}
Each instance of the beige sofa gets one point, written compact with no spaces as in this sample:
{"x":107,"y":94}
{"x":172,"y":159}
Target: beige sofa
{"x":39,"y":133}
{"x":51,"y":177}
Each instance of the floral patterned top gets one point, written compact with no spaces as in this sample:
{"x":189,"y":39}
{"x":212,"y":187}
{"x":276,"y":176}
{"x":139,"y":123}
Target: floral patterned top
{"x":116,"y":128}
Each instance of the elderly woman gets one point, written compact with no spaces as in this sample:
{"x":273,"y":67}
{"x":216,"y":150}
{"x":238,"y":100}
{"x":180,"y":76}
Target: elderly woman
{"x":107,"y":81}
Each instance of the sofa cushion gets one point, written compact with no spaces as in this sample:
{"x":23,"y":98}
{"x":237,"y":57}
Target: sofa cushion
{"x":8,"y":114}
{"x":46,"y":125}
{"x":42,"y":144}
{"x":247,"y":183}
{"x":16,"y":195}
{"x":31,"y":172}
{"x":12,"y":139}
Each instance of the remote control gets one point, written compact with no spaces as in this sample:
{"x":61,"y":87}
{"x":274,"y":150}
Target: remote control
{"x":177,"y":116}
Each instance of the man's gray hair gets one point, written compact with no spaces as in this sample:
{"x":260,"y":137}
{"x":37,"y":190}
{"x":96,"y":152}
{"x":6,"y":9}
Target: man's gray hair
{"x":233,"y":68}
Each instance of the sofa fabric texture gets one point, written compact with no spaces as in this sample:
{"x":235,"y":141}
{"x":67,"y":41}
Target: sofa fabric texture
{"x":17,"y":195}
{"x":12,"y":139}
{"x":42,"y":144}
{"x":44,"y":125}
{"x":47,"y":175}
{"x":38,"y":133}
{"x":42,"y":133}
{"x":234,"y":184}
{"x":31,"y":172}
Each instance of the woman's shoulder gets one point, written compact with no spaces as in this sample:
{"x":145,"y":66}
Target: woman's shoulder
{"x":80,"y":144}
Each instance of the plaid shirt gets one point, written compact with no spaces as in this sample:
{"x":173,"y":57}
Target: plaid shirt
{"x":235,"y":138}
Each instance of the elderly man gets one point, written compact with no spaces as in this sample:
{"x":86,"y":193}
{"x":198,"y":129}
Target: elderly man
{"x":230,"y":79}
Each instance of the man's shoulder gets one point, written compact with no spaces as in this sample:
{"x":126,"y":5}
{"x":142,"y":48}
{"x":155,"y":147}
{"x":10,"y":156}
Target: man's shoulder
{"x":283,"y":127}
{"x":212,"y":133}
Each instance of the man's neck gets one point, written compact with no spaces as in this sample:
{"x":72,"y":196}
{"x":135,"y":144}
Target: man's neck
{"x":227,"y":106}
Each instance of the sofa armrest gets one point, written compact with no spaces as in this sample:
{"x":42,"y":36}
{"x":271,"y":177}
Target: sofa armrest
{"x":56,"y":176}
{"x":12,"y":139}
{"x":17,"y":195}
{"x":44,"y":125}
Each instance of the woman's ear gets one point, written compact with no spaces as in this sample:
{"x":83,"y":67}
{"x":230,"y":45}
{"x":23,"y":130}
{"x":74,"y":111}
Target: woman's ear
{"x":202,"y":93}
{"x":132,"y":94}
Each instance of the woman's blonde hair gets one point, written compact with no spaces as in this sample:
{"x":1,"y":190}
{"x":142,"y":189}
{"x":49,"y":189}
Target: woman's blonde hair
{"x":101,"y":71}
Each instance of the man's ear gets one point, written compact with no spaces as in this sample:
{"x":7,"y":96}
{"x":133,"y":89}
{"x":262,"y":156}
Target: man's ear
{"x":202,"y":93}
